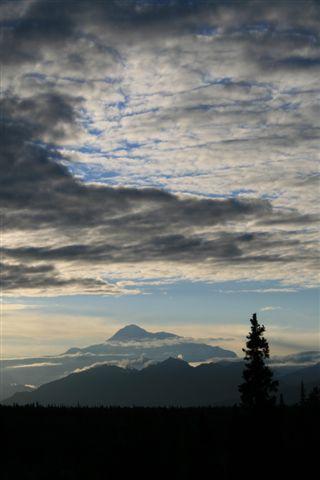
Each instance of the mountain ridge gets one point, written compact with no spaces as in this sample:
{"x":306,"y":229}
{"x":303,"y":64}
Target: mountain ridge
{"x":129,"y":345}
{"x":172,"y":382}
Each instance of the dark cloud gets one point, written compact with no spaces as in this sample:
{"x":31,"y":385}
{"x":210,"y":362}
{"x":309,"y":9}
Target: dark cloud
{"x":275,"y":34}
{"x":167,"y":247}
{"x":174,"y":248}
{"x":15,"y":276}
{"x":35,"y":180}
{"x":292,"y":218}
{"x":45,"y":114}
{"x":44,"y":24}
{"x":45,"y":277}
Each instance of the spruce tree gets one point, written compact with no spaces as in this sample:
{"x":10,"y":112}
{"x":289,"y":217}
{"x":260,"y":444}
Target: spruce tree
{"x":259,"y":388}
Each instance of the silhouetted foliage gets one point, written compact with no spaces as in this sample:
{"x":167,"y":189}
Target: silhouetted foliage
{"x":302,"y":394}
{"x":313,"y":399}
{"x":42,"y":443}
{"x":259,"y":387}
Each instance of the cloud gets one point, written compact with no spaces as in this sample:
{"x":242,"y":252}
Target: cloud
{"x":116,"y":225}
{"x":130,"y":132}
{"x":7,"y":308}
{"x":260,"y":290}
{"x":34,"y":365}
{"x":136,"y":363}
{"x":303,"y":359}
{"x":269,"y":308}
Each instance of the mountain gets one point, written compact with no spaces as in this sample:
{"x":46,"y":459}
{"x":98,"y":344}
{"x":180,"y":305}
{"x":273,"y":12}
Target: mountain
{"x":132,"y":347}
{"x":290,"y":384}
{"x":157,"y":350}
{"x":307,"y":375}
{"x":172,"y":382}
{"x":129,"y":346}
{"x":134,"y":341}
{"x":9,"y":387}
{"x":136,"y":333}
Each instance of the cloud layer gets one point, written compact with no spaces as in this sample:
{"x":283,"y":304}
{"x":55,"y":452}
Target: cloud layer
{"x":154,"y":141}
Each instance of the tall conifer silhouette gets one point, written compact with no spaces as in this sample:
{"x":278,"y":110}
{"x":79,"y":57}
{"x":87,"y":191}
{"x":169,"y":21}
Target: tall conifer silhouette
{"x":258,"y":388}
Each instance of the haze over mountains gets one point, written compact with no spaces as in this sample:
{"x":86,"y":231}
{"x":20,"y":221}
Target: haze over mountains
{"x":129,"y":346}
{"x":135,"y":366}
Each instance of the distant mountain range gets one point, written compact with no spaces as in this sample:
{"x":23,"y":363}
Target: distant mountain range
{"x":172,"y":382}
{"x":136,"y":350}
{"x":129,"y":346}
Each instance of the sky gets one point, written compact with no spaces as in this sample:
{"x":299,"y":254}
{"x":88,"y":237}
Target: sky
{"x":159,"y":166}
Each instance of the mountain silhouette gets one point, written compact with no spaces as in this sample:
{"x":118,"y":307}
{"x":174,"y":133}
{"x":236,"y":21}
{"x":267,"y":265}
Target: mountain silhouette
{"x":291,"y":382}
{"x":134,"y":332}
{"x":172,"y":382}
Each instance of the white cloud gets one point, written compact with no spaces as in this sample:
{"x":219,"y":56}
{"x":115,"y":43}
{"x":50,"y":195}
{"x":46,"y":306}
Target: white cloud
{"x":34,"y":365}
{"x":9,"y":308}
{"x":269,"y":308}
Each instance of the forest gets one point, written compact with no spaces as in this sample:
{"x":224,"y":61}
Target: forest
{"x":183,"y":443}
